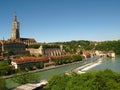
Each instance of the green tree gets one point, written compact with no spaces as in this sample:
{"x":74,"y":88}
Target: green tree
{"x":33,"y":46}
{"x":57,"y":82}
{"x":4,"y":68}
{"x":56,"y":61}
{"x":2,"y":84}
{"x":25,"y":77}
{"x":77,"y":57}
{"x":67,"y":59}
{"x":10,"y":52}
{"x":101,"y":80}
{"x":8,"y":59}
{"x":40,"y":65}
{"x":109,"y":45}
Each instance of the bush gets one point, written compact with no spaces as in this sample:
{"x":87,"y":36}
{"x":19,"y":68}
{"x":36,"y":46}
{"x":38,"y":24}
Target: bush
{"x":4,"y":68}
{"x":25,"y":77}
{"x":67,"y":59}
{"x":2,"y":84}
{"x":101,"y":80}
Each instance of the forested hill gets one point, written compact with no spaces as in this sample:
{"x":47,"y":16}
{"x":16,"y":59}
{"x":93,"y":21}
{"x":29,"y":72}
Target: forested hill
{"x":73,"y":46}
{"x":109,"y":45}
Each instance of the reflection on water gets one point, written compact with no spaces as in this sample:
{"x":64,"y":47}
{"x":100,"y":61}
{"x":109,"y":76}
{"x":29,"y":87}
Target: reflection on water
{"x":113,"y":60}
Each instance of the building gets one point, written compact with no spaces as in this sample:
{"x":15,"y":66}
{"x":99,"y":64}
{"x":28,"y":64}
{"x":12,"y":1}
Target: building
{"x":15,"y":29}
{"x":15,"y":36}
{"x":111,"y":54}
{"x":26,"y":60}
{"x":49,"y":50}
{"x":15,"y":44}
{"x":13,"y":47}
{"x":87,"y":53}
{"x":28,"y":41}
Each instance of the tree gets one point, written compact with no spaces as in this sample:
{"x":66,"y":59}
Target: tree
{"x":4,"y":68}
{"x":10,"y":52}
{"x":77,"y":57}
{"x":109,"y":45}
{"x":57,"y":82}
{"x":40,"y":65}
{"x":25,"y":77}
{"x":8,"y":60}
{"x":36,"y":46}
{"x":101,"y":80}
{"x":2,"y":84}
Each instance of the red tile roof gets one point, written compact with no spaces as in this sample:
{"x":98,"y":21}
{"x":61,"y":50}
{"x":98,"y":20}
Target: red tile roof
{"x":22,"y":60}
{"x":86,"y":52}
{"x":27,"y":59}
{"x":1,"y":58}
{"x":63,"y":56}
{"x":49,"y":63}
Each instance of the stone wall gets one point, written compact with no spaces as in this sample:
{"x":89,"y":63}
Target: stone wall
{"x":16,"y":48}
{"x":45,"y":51}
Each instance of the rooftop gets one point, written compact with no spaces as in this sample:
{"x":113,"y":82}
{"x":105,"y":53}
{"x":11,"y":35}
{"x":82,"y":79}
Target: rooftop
{"x":1,"y":58}
{"x":23,"y":60}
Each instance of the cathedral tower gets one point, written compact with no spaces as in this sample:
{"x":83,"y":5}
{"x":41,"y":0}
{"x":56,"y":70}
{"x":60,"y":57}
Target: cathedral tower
{"x":15,"y":29}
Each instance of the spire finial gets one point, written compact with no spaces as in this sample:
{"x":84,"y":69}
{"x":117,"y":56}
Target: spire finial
{"x":15,"y":17}
{"x":15,"y":13}
{"x":3,"y":38}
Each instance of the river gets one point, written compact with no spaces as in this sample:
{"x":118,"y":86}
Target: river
{"x":111,"y":63}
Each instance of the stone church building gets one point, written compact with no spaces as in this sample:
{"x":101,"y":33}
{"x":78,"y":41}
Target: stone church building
{"x":16,"y":44}
{"x":16,"y":34}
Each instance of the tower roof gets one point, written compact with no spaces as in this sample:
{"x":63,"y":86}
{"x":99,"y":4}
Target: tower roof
{"x":15,"y":17}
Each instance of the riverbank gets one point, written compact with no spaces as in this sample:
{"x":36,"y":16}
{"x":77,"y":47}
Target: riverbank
{"x":52,"y":67}
{"x":48,"y":73}
{"x":46,"y":68}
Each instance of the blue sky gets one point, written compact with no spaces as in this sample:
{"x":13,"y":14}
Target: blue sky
{"x":62,"y":20}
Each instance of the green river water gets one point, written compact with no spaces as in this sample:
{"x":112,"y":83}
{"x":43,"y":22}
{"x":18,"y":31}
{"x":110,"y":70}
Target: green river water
{"x":111,"y":63}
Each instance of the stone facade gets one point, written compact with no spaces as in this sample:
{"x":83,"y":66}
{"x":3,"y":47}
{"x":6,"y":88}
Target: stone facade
{"x":15,"y":29}
{"x":14,"y":47}
{"x":28,"y":41}
{"x":35,"y":52}
{"x":52,"y":52}
{"x":46,"y":51}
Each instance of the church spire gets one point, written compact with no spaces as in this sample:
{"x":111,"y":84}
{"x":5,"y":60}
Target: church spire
{"x":15,"y":17}
{"x":15,"y":28}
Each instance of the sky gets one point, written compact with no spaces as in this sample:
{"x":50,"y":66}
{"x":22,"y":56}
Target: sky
{"x":62,"y":20}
